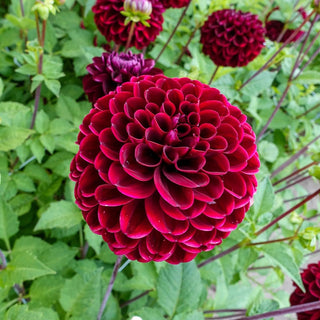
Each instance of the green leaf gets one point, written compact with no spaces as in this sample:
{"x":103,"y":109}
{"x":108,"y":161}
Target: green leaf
{"x":260,"y":83}
{"x":22,"y":312}
{"x":9,"y":224}
{"x":61,"y":214}
{"x":12,"y":137}
{"x":37,"y":149}
{"x":1,"y":87}
{"x":195,"y":315}
{"x":45,"y":291}
{"x":179,"y":288}
{"x":282,"y":256}
{"x":14,"y":114}
{"x":93,"y":239}
{"x":28,"y":69}
{"x":48,"y":142}
{"x":59,"y":163}
{"x":80,"y":296}
{"x":42,"y":122}
{"x":23,"y":182}
{"x":25,"y":266}
{"x":309,"y":77}
{"x":54,"y":86}
{"x":268,"y":151}
{"x":264,"y":198}
{"x":60,"y":127}
{"x":148,"y":313}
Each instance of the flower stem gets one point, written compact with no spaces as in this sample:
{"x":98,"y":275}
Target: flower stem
{"x":293,"y":309}
{"x":213,"y":75}
{"x":173,"y":32}
{"x":135,"y":298}
{"x":252,"y":244}
{"x":184,"y":49}
{"x":295,"y":173}
{"x":273,"y":222}
{"x":225,"y":310}
{"x":133,"y":24}
{"x":220,"y":255}
{"x":110,"y":286}
{"x":4,"y":264}
{"x":308,"y":111}
{"x":279,"y":50}
{"x":293,"y":158}
{"x":293,"y":184}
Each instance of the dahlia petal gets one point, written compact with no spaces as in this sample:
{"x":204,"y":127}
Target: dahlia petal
{"x":132,"y":105}
{"x":162,"y":122}
{"x":201,"y":238}
{"x":176,"y":97}
{"x":189,"y":180}
{"x":158,"y":245}
{"x":135,"y":132}
{"x":203,"y":223}
{"x":162,"y":222}
{"x":190,"y":165}
{"x":224,"y":205}
{"x":215,"y":105}
{"x":154,"y":139}
{"x":207,"y":131}
{"x":212,"y":191}
{"x":93,"y":222}
{"x":238,"y":159}
{"x":216,"y":163}
{"x":131,"y":166}
{"x":171,"y":211}
{"x":253,"y":165}
{"x":175,"y":195}
{"x":235,"y":184}
{"x":116,"y":104}
{"x":218,"y":143}
{"x":155,"y":95}
{"x":125,"y":242}
{"x":133,"y":220}
{"x":102,"y":165}
{"x":179,"y":255}
{"x":143,"y":118}
{"x":89,"y":148}
{"x":128,"y":185}
{"x":146,"y":157}
{"x":109,"y":218}
{"x":173,"y":154}
{"x":108,"y":195}
{"x":89,"y":181}
{"x":109,"y":145}
{"x":118,"y":126}
{"x":169,"y":108}
{"x":248,"y":143}
{"x":84,"y":127}
{"x":314,"y":290}
{"x":100,"y":121}
{"x":197,"y":208}
{"x":231,"y":135}
{"x":210,"y":116}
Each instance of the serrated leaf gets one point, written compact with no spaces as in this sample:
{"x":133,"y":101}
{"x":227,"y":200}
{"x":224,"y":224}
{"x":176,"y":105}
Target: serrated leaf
{"x":9,"y":224}
{"x":37,"y":149}
{"x":259,"y":83}
{"x":26,"y":266}
{"x":282,"y":256}
{"x":264,"y":198}
{"x":60,"y":127}
{"x":12,"y":137}
{"x":80,"y":296}
{"x":61,"y":214}
{"x":42,"y":122}
{"x":48,"y":142}
{"x":45,"y":291}
{"x":14,"y":114}
{"x":22,"y":312}
{"x":59,"y":163}
{"x":54,"y":86}
{"x":179,"y":288}
{"x":268,"y":151}
{"x":23,"y":182}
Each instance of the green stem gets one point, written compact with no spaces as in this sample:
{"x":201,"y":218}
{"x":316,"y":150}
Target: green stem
{"x":173,"y":32}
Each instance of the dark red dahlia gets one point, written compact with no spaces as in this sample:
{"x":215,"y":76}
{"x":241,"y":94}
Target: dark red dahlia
{"x":311,"y":280}
{"x":165,"y":168}
{"x":111,"y":69}
{"x":111,"y":23}
{"x":232,"y":38}
{"x":175,"y":3}
{"x":276,"y":32}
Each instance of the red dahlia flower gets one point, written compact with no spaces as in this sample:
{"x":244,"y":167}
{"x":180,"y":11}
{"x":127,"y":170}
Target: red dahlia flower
{"x":311,"y":280}
{"x":111,"y":69}
{"x":175,"y":3}
{"x":276,"y":32}
{"x":232,"y":38}
{"x":165,"y":168}
{"x":111,"y":23}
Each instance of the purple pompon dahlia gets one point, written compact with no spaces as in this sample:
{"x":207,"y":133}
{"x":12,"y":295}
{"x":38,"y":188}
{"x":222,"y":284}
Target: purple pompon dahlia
{"x":311,"y":280}
{"x":111,"y":69}
{"x":232,"y":38}
{"x":111,"y":23}
{"x":165,"y":168}
{"x":276,"y":32}
{"x":175,"y":3}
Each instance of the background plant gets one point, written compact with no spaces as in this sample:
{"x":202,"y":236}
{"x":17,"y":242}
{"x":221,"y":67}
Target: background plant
{"x":52,"y":266}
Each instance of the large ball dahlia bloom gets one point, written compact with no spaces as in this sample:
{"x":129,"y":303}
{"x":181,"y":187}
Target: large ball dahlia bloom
{"x":311,"y":280}
{"x":175,"y":3}
{"x":165,"y":168}
{"x":232,"y":38}
{"x":111,"y":23}
{"x":111,"y":69}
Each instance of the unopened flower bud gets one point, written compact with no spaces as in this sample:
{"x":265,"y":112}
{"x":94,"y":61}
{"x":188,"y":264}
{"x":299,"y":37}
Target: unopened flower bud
{"x":137,"y":11}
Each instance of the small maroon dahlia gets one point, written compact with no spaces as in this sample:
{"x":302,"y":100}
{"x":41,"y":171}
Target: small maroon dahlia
{"x":175,"y":3}
{"x":111,"y":69}
{"x":165,"y":168}
{"x":232,"y":38}
{"x":311,"y":280}
{"x":276,"y":29}
{"x":111,"y":23}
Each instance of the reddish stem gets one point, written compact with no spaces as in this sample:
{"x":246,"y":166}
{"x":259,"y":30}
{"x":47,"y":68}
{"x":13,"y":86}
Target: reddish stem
{"x":184,"y":49}
{"x":273,"y":222}
{"x":308,"y":111}
{"x":270,"y":241}
{"x":135,"y":298}
{"x":213,"y":75}
{"x":133,"y":24}
{"x":293,"y":184}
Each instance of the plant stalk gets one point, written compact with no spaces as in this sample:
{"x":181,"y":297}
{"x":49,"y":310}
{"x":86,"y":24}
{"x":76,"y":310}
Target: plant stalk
{"x":110,"y":286}
{"x":184,"y":49}
{"x":173,"y":32}
{"x":4,"y":263}
{"x":213,"y":75}
{"x":135,"y":298}
{"x":133,"y":24}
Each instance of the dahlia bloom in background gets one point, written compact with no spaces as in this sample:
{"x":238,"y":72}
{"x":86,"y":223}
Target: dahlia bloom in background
{"x":111,"y":69}
{"x":232,"y":38}
{"x":165,"y":168}
{"x":311,"y":280}
{"x":275,"y":29}
{"x":175,"y":3}
{"x":111,"y":23}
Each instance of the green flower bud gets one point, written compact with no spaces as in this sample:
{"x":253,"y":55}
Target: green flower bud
{"x":137,"y":11}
